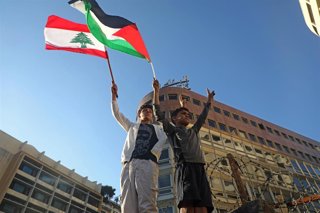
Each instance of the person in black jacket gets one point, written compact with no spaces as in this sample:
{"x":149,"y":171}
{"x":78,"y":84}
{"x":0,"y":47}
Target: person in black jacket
{"x":193,"y":189}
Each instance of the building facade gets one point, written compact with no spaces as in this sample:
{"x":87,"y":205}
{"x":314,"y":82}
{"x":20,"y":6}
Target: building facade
{"x":31,"y":182}
{"x":276,"y":165}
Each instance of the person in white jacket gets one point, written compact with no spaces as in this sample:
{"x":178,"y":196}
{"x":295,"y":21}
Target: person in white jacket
{"x":139,"y":158}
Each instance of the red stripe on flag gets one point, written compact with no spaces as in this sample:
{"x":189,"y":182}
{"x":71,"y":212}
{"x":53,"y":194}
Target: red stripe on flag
{"x":79,"y":50}
{"x":132,"y":35}
{"x":61,"y":23}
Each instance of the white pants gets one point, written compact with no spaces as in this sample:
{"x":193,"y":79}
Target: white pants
{"x":139,"y":186}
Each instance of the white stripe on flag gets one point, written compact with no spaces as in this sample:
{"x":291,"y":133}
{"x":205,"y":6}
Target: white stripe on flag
{"x":63,"y":38}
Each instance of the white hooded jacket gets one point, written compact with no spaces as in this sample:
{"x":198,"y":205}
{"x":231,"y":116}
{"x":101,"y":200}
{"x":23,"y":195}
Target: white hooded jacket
{"x":132,"y":129}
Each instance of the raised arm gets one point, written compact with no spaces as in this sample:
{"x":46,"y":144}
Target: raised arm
{"x":159,"y":115}
{"x":122,"y":120}
{"x":203,"y":116}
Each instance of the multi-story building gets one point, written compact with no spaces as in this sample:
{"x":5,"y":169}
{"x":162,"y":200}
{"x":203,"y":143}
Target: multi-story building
{"x":31,"y":182}
{"x":276,"y":165}
{"x":311,"y":13}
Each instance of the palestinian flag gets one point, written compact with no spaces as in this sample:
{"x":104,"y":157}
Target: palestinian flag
{"x":62,"y":34}
{"x":113,"y":31}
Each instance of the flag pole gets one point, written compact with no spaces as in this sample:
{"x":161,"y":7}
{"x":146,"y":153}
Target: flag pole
{"x":110,"y":70}
{"x":154,"y":73}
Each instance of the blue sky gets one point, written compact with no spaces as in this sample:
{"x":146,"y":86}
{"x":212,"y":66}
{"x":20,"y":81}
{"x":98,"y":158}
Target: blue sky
{"x":259,"y":57}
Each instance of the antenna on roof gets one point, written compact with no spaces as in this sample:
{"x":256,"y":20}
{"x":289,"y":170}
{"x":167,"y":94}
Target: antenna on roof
{"x":183,"y":83}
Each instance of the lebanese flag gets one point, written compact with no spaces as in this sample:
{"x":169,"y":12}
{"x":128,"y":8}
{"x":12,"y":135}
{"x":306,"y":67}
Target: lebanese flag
{"x":113,"y":31}
{"x":62,"y":34}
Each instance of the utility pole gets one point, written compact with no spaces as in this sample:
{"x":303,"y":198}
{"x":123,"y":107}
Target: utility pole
{"x":237,"y":178}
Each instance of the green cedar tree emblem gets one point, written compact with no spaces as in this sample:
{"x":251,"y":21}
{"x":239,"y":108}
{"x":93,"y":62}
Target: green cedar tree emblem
{"x":82,"y":39}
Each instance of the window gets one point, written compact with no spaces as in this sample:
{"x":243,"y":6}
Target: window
{"x":258,"y":151}
{"x":78,"y":193}
{"x":74,"y":209}
{"x":278,"y":146}
{"x":296,"y":166}
{"x":63,"y":186}
{"x":20,"y":187}
{"x":291,"y":138}
{"x":238,"y":146}
{"x":311,"y":171}
{"x":261,"y":126}
{"x":270,"y":143}
{"x":172,"y":96}
{"x":245,"y":120}
{"x":309,"y":157}
{"x":286,"y":149}
{"x":212,"y":123}
{"x":317,"y":171}
{"x":216,"y":138}
{"x":59,"y":204}
{"x":235,"y":116}
{"x":297,"y":139}
{"x":10,"y":207}
{"x":305,"y":143}
{"x":196,"y":102}
{"x":284,"y":135}
{"x":269,"y":130}
{"x":41,"y":196}
{"x":315,"y":159}
{"x":252,"y":137}
{"x":94,"y":200}
{"x":233,"y":130}
{"x":253,"y":123}
{"x":164,"y":181}
{"x":223,"y":127}
{"x":304,"y":169}
{"x":277,"y":132}
{"x":217,"y":109}
{"x":301,"y":154}
{"x":204,"y":135}
{"x":226,"y":113}
{"x":49,"y":179}
{"x":161,"y":98}
{"x":248,"y":148}
{"x":261,"y":140}
{"x":29,"y":169}
{"x":242,"y":134}
{"x":34,"y":208}
{"x":294,"y":152}
{"x":228,"y":143}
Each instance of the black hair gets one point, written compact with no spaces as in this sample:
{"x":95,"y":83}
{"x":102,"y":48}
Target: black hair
{"x":144,"y":106}
{"x":176,"y":111}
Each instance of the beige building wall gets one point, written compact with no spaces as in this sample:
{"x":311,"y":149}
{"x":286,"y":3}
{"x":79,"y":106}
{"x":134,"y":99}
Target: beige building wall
{"x":32,"y":182}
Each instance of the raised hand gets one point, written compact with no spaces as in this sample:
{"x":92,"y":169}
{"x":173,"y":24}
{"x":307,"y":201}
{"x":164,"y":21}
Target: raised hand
{"x":182,"y":101}
{"x":210,"y":95}
{"x":114,"y":91}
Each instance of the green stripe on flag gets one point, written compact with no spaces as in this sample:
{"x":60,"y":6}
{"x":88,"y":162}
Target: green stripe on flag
{"x":117,"y":44}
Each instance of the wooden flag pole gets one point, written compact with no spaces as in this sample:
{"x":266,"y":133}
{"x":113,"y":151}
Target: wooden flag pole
{"x":154,"y":73}
{"x":110,"y":70}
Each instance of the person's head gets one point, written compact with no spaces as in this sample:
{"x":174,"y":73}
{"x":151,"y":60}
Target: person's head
{"x":145,"y":113}
{"x":181,"y":116}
